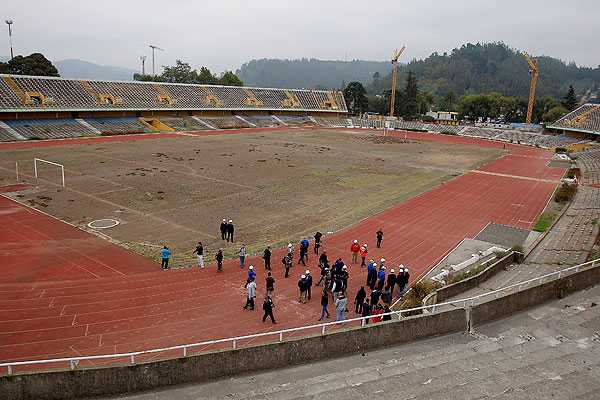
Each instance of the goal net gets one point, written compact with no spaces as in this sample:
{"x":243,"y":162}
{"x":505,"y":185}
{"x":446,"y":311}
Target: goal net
{"x":49,"y":170}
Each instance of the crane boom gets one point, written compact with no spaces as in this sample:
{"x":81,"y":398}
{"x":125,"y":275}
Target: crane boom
{"x":533,"y":70}
{"x":395,"y":56}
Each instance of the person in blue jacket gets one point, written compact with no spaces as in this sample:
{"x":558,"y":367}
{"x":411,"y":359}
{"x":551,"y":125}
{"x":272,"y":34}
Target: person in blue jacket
{"x":381,"y":278}
{"x":251,"y":274}
{"x":371,"y":274}
{"x":165,"y":253}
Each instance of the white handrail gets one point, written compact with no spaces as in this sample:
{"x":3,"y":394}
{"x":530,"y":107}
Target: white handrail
{"x":73,"y":361}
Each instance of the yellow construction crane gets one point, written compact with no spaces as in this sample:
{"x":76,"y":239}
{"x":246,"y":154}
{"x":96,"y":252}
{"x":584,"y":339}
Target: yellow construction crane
{"x":395,"y":57}
{"x":533,"y":71}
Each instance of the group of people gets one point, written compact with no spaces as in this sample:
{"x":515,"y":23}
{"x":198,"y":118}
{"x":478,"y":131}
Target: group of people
{"x":227,"y":230}
{"x":333,"y":278}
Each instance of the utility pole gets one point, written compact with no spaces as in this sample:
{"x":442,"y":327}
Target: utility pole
{"x":143,"y":59}
{"x":9,"y":22}
{"x":154,"y":48}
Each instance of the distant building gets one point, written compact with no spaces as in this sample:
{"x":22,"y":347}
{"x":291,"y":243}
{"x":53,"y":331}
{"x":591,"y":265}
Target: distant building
{"x":444,"y":117}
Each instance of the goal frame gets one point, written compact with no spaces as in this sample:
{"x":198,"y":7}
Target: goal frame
{"x":35,"y":170}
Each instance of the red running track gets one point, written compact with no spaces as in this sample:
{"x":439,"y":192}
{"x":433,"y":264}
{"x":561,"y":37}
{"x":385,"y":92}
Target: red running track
{"x":116,"y":313}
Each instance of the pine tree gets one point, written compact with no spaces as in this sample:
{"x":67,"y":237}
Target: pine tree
{"x":410,"y":103}
{"x":570,"y":100}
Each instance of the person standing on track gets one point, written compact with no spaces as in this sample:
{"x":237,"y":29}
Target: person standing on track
{"x":391,"y":281}
{"x":270,"y":283}
{"x":287,"y":264}
{"x":318,"y":236}
{"x":230,"y":230}
{"x":242,"y":255}
{"x":302,"y":289}
{"x":354,"y":249}
{"x":371,"y":274}
{"x":268,"y":309}
{"x":381,"y":278}
{"x":340,"y":307}
{"x":267,"y":258}
{"x":251,"y":273}
{"x":219,"y":258}
{"x":365,"y":311}
{"x":361,"y":295}
{"x":165,"y":253}
{"x":364,"y":251}
{"x":309,"y":281}
{"x":250,"y":294}
{"x":324,"y":304}
{"x":290,"y":250}
{"x":199,"y":251}
{"x":379,"y":235}
{"x":223,"y":229}
{"x":303,"y":255}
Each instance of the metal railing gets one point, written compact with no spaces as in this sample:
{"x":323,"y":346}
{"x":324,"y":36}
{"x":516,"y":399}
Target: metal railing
{"x":234,"y":341}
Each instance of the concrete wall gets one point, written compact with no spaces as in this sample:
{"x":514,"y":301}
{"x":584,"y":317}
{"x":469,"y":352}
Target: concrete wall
{"x":454,"y":289}
{"x":116,"y":380}
{"x":512,"y":303}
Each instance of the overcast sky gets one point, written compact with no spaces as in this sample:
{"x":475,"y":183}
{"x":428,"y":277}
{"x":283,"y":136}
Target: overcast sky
{"x":223,"y":34}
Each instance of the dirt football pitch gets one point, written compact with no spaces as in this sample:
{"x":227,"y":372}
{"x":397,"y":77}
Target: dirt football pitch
{"x":276,"y":186}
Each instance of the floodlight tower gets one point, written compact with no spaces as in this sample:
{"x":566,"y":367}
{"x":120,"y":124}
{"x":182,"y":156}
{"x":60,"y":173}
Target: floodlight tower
{"x":154,"y":48}
{"x":9,"y":22}
{"x":395,"y":57}
{"x":143,"y":59}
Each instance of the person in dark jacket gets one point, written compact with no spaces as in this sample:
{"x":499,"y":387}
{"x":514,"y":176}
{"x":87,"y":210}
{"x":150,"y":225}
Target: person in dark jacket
{"x":359,"y":299}
{"x":386,"y":296}
{"x":268,"y":308}
{"x":267,"y":258}
{"x":270,"y":283}
{"x":230,"y":230}
{"x":318,"y":236}
{"x":375,"y":294}
{"x":365,"y":310}
{"x":404,"y":282}
{"x":302,"y":289}
{"x":324,"y":304}
{"x":303,"y":254}
{"x":223,"y":229}
{"x":323,"y":261}
{"x":379,"y":235}
{"x":344,"y":279}
{"x":219,"y":258}
{"x":308,"y":283}
{"x":287,"y":264}
{"x":391,"y":281}
{"x":400,"y":279}
{"x":386,"y":310}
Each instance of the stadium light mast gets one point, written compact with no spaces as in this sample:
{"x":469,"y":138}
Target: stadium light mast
{"x":395,"y":56}
{"x":533,"y":71}
{"x":154,"y":48}
{"x":143,"y":59}
{"x":9,"y":22}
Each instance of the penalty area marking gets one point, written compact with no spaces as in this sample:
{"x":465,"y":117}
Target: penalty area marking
{"x":103,"y":223}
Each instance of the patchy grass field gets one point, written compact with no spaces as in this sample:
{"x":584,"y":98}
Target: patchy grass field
{"x":276,"y":186}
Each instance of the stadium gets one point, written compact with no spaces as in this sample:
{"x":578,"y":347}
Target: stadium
{"x":298,"y":228}
{"x":123,"y":168}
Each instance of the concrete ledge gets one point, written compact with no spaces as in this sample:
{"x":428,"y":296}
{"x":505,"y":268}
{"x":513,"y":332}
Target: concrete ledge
{"x":117,"y":380}
{"x":509,"y":304}
{"x":454,"y":289}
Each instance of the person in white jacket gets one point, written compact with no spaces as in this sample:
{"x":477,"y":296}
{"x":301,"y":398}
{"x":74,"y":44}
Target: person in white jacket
{"x":250,"y":294}
{"x":340,"y":307}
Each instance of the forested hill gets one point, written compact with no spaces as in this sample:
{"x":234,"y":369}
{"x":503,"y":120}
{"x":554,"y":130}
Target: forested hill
{"x":308,"y":73}
{"x":473,"y":68}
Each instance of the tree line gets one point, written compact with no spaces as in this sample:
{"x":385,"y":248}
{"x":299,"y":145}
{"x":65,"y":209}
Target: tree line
{"x":412,"y":102}
{"x":182,"y":72}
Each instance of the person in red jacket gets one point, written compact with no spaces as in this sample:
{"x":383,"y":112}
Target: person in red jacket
{"x":354,"y":249}
{"x":377,"y":311}
{"x":364,"y":250}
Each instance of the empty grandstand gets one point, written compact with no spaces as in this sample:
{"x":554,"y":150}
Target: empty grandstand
{"x":585,"y":119}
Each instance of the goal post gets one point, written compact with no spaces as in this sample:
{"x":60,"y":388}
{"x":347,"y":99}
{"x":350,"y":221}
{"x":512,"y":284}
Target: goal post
{"x":40,"y":160}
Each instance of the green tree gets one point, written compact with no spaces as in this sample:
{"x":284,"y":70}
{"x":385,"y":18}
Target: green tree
{"x":206,"y":77}
{"x":230,"y":79}
{"x":356,"y":98}
{"x":425,"y":101}
{"x":449,"y":102}
{"x":181,"y":72}
{"x":554,"y":114}
{"x":570,"y":100}
{"x":34,"y":64}
{"x":379,"y":104}
{"x":410,"y":103}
